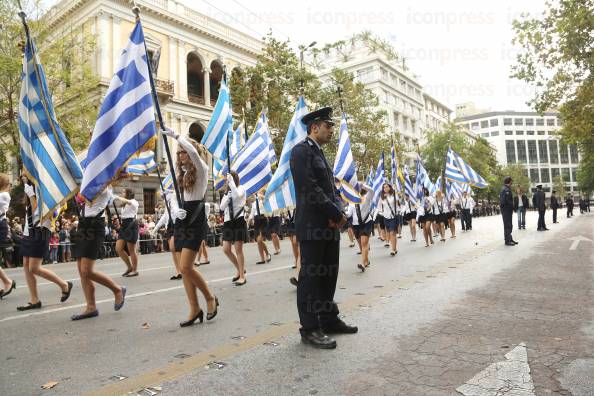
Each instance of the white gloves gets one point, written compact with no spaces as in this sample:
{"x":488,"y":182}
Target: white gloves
{"x":170,"y":132}
{"x":29,"y":190}
{"x":181,"y":214}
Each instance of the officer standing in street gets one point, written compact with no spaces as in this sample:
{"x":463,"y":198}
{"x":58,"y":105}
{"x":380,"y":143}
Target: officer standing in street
{"x":318,"y":220}
{"x":506,"y":203}
{"x":538,"y":201}
{"x":554,"y":206}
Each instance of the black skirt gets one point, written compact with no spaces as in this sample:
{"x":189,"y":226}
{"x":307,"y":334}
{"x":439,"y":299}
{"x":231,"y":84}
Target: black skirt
{"x":36,"y":244}
{"x":191,"y":231}
{"x":380,"y":221}
{"x":129,"y":231}
{"x":363,"y":230}
{"x":274,"y":224}
{"x":426,"y":217}
{"x":410,"y":216}
{"x":235,"y":230}
{"x":88,"y":239}
{"x":260,"y":224}
{"x":290,"y":228}
{"x":441,"y":218}
{"x":452,"y":214}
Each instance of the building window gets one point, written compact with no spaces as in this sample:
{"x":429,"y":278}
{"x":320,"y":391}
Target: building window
{"x":554,"y":151}
{"x":543,"y":152}
{"x":484,"y":124}
{"x":519,"y":132}
{"x":474,"y":126}
{"x":518,"y":121}
{"x":495,"y":133}
{"x":485,"y":134}
{"x":149,"y":201}
{"x":508,"y":133}
{"x":540,"y":133}
{"x":521,"y":144}
{"x":563,"y":153}
{"x":566,"y":175}
{"x":573,"y":175}
{"x":534,"y":175}
{"x":532,"y":156}
{"x":573,"y":153}
{"x":554,"y":173}
{"x":507,"y":121}
{"x":510,"y":150}
{"x":529,"y":132}
{"x":559,"y":122}
{"x":550,"y":122}
{"x":529,"y":121}
{"x":494,"y":122}
{"x":540,"y":121}
{"x":545,"y":176}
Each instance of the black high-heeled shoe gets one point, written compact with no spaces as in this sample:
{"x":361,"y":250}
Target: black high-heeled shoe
{"x":10,"y":289}
{"x":210,"y":316}
{"x":199,"y":316}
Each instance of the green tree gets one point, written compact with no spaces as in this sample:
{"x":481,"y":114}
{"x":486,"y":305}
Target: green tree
{"x":559,"y":185}
{"x":435,"y":149}
{"x":557,"y":58}
{"x":519,"y":174}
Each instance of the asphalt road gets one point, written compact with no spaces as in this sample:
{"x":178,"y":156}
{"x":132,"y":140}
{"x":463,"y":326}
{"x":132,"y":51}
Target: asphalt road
{"x":430,"y":321}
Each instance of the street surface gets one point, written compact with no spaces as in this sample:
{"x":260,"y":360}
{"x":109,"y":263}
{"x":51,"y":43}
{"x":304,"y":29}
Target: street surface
{"x":466,"y":317}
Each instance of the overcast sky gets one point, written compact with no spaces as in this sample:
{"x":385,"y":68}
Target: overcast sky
{"x":460,"y":49}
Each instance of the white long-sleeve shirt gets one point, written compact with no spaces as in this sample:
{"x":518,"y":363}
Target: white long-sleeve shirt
{"x":99,"y":204}
{"x":439,"y":207}
{"x":4,"y":204}
{"x":365,"y":208}
{"x":408,"y":207}
{"x":130,"y":209}
{"x":237,"y":194}
{"x":467,"y":203}
{"x":199,"y":190}
{"x":254,"y":209}
{"x":173,"y":207}
{"x":426,"y":206}
{"x":47,"y":223}
{"x":389,"y":207}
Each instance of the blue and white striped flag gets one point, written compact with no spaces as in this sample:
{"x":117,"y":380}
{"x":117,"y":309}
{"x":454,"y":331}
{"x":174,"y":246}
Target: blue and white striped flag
{"x":472,"y":177}
{"x":252,"y":163}
{"x":126,"y":121}
{"x":344,"y":166}
{"x":452,"y":191}
{"x":48,"y":158}
{"x":378,"y":180}
{"x":220,"y":126}
{"x":452,"y":172}
{"x":280,"y":193}
{"x":395,"y":176}
{"x":264,"y":130}
{"x":142,"y":164}
{"x":408,"y":185}
{"x":422,"y":179}
{"x":167,"y":182}
{"x":369,"y":180}
{"x":237,"y":140}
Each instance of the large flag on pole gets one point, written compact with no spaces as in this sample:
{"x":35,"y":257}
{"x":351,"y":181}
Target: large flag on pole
{"x":378,"y":180}
{"x":220,"y":126}
{"x":472,"y":177}
{"x":142,"y":164}
{"x":280,"y":193}
{"x":452,"y":172}
{"x":344,"y":166}
{"x":261,"y":127}
{"x":126,"y":121}
{"x":48,"y":158}
{"x":409,"y":190}
{"x":395,"y":171}
{"x":237,"y":140}
{"x":422,"y":178}
{"x":252,"y":163}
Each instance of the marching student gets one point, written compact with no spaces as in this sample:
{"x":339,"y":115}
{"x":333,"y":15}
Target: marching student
{"x":273,"y":228}
{"x":440,"y":212}
{"x":467,"y":205}
{"x":169,"y":197}
{"x":260,"y":222}
{"x":234,"y":226}
{"x":363,"y":224}
{"x":409,"y":210}
{"x":87,"y":242}
{"x":451,"y":206}
{"x":128,"y":234}
{"x":9,"y":284}
{"x":388,"y":206}
{"x":425,"y":215}
{"x":34,"y":248}
{"x":191,"y":227}
{"x":203,"y":252}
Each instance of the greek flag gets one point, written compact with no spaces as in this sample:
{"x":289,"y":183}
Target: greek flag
{"x":369,"y":180}
{"x":422,"y":178}
{"x":408,"y":185}
{"x":142,"y":164}
{"x":452,"y":172}
{"x":435,"y":187}
{"x":237,"y":140}
{"x":220,"y":126}
{"x":252,"y":163}
{"x":378,"y":180}
{"x":167,"y":182}
{"x":452,"y":190}
{"x":48,"y":158}
{"x":344,"y":166}
{"x":280,"y":193}
{"x":395,"y":172}
{"x":264,"y":130}
{"x":471,"y":176}
{"x":126,"y":121}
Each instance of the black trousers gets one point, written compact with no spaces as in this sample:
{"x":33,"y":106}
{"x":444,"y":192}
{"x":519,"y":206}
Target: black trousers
{"x":555,"y":215}
{"x":317,"y":284}
{"x":541,"y":219}
{"x":507,"y":215}
{"x":466,"y":219}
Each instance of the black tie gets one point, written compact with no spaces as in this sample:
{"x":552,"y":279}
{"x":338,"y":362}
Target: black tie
{"x":257,"y":207}
{"x":359,"y":217}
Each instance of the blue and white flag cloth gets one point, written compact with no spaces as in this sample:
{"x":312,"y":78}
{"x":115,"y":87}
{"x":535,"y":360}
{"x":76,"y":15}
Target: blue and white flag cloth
{"x":252,"y":163}
{"x":369,"y":180}
{"x":378,"y":180}
{"x":409,"y":190}
{"x":142,"y":163}
{"x":452,"y":171}
{"x":126,"y":121}
{"x":344,"y":167}
{"x":48,"y":158}
{"x":220,"y":126}
{"x":280,"y":193}
{"x":264,"y":130}
{"x":237,"y":140}
{"x":471,"y":176}
{"x":422,"y":179}
{"x":395,"y":176}
{"x":167,"y":182}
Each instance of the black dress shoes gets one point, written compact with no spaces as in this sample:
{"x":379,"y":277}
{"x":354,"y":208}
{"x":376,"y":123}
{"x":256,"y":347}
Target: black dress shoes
{"x":317,"y":339}
{"x":340,"y":327}
{"x":510,"y":243}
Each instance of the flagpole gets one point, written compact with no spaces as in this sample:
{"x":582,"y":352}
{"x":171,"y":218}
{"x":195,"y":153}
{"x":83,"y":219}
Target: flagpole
{"x":136,"y":11}
{"x":163,"y":193}
{"x":231,"y":215}
{"x":245,"y":129}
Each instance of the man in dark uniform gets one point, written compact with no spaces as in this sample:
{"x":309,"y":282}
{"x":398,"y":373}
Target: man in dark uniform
{"x":569,"y":204}
{"x":318,"y":219}
{"x":506,"y":203}
{"x":554,"y":206}
{"x":538,"y":201}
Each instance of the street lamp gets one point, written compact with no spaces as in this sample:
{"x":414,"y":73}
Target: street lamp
{"x":302,"y":49}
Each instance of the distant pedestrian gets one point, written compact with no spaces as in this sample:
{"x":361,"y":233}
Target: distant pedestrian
{"x":569,"y":204}
{"x":538,"y":201}
{"x":520,"y":206}
{"x":467,"y":204}
{"x":554,"y":206}
{"x":506,"y":204}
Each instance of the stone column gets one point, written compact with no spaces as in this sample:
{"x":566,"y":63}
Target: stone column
{"x":104,"y":35}
{"x":182,"y":70}
{"x":206,"y":73}
{"x":173,"y":59}
{"x":115,"y":43}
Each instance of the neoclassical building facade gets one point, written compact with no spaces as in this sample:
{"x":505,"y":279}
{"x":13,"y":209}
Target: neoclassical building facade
{"x":190,"y":51}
